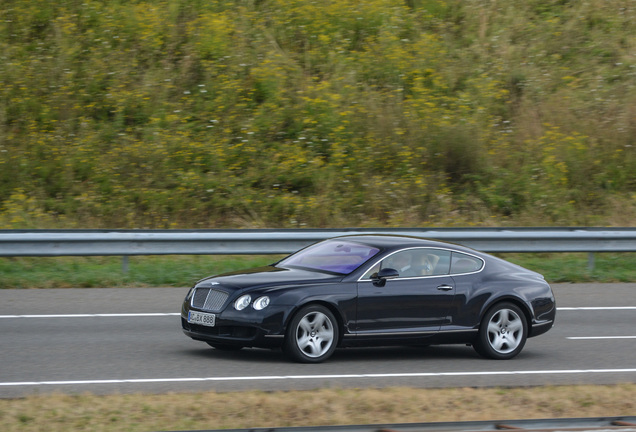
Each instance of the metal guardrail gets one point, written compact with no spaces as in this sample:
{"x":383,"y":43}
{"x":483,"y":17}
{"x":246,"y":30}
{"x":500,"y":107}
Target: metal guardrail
{"x":265,"y":241}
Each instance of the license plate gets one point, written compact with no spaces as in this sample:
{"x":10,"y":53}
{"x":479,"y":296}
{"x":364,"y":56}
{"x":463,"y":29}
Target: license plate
{"x":201,"y":318}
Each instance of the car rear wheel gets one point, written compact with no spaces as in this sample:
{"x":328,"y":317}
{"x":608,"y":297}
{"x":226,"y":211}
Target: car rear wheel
{"x":312,"y":335}
{"x":503,"y":332}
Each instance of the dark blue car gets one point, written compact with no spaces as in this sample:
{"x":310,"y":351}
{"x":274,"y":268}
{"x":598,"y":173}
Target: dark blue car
{"x":372,"y":290}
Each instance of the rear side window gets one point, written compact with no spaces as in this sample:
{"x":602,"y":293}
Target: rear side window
{"x":462,"y":263}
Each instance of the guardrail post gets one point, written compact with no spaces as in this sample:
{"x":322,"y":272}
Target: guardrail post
{"x":124,"y":264}
{"x":590,"y":261}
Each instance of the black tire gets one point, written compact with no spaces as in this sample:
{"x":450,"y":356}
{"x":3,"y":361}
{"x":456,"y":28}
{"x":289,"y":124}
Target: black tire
{"x":224,"y":347}
{"x":503,"y":332}
{"x":312,"y":335}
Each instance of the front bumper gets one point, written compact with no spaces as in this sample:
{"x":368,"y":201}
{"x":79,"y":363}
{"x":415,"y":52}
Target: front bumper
{"x":247,"y":328}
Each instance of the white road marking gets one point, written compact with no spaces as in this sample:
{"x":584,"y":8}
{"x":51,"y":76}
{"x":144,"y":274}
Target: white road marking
{"x":313,"y":377}
{"x":117,"y":315}
{"x":600,"y":337}
{"x":596,"y":308}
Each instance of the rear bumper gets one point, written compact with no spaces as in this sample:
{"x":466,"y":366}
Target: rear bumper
{"x":538,"y":328}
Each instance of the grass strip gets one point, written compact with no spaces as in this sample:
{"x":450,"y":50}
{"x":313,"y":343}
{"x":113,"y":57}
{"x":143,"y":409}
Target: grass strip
{"x":143,"y":271}
{"x":183,"y":271}
{"x":211,"y":410}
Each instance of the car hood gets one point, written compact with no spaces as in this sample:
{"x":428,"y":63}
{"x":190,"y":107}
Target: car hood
{"x":264,"y":277}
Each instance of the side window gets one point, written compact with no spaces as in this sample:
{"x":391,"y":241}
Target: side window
{"x":403,"y":262}
{"x":462,"y":263}
{"x":434,"y":262}
{"x":373,"y":271}
{"x":415,"y":263}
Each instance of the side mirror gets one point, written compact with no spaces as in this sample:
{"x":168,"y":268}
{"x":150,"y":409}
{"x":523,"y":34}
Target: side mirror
{"x":380,"y":278}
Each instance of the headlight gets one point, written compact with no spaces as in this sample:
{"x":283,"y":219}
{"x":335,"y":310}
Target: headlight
{"x":261,"y":303}
{"x":242,"y":302}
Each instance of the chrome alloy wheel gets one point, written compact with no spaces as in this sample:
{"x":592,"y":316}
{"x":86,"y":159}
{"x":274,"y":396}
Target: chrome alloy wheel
{"x":315,"y":334}
{"x":505,"y":331}
{"x":312,"y":334}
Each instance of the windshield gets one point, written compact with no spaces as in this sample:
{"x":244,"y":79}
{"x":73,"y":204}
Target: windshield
{"x":332,"y":256}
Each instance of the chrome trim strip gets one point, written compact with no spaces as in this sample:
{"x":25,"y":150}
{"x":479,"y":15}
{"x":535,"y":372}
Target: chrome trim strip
{"x":407,"y":278}
{"x":392,"y":334}
{"x":428,"y":276}
{"x":407,"y":333}
{"x":275,"y":336}
{"x":542,"y":323}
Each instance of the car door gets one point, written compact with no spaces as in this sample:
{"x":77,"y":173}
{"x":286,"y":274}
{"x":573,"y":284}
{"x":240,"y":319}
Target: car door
{"x":415,"y":302}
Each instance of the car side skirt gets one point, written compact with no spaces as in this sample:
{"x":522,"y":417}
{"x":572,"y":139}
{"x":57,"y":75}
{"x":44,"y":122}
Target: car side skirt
{"x":444,"y":336}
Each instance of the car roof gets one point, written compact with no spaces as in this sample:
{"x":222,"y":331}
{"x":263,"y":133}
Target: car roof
{"x":389,"y":241}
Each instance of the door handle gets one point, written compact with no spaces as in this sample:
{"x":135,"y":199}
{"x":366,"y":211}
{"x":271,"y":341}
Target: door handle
{"x":444,"y":287}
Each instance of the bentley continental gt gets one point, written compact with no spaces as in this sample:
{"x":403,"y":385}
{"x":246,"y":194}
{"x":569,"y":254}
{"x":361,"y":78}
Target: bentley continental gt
{"x":372,"y":290}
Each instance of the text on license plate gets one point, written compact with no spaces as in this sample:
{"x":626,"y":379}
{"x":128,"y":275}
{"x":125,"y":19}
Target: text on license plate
{"x":201,"y":318}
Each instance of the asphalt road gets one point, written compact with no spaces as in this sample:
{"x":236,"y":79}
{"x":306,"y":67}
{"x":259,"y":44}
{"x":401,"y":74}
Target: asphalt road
{"x":130,"y":341}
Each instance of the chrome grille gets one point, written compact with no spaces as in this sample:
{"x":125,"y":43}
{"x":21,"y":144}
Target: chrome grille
{"x":209,"y":299}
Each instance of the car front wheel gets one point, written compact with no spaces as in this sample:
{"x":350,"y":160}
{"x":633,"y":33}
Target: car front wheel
{"x":503,"y":332}
{"x":312,"y":335}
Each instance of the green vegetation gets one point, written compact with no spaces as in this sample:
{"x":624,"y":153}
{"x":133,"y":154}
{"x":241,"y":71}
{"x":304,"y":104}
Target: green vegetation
{"x":241,"y":410}
{"x":96,"y":272}
{"x":183,"y":271}
{"x":574,"y":267}
{"x":279,"y":113}
{"x":299,"y":113}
